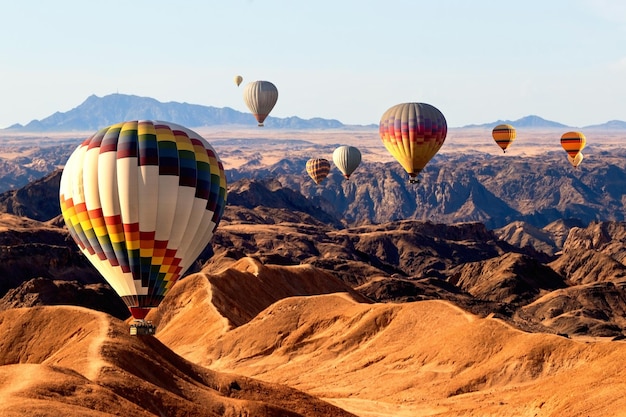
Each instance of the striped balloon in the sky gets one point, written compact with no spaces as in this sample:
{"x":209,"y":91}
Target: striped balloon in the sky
{"x":504,"y":135}
{"x":573,"y":143}
{"x":413,"y":133}
{"x":260,"y":97}
{"x":318,"y":169}
{"x":347,"y":159}
{"x":142,"y":200}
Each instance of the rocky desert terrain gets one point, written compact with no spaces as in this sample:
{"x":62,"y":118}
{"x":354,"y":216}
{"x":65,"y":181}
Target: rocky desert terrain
{"x":303,"y":305}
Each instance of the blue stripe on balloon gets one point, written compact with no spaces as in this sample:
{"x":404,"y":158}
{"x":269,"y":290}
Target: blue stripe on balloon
{"x":168,"y":158}
{"x":127,"y":144}
{"x":148,"y":149}
{"x":188,"y":168}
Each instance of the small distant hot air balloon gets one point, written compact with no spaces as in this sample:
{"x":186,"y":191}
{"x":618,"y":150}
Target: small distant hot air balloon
{"x":142,"y":199}
{"x":573,"y":143}
{"x":504,"y":135}
{"x":347,"y":159}
{"x":238,"y":79}
{"x":575,"y":161}
{"x":413,"y":133}
{"x":318,"y":169}
{"x":260,"y":97}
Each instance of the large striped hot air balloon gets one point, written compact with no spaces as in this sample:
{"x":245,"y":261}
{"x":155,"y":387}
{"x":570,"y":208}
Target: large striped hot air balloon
{"x":260,"y":97}
{"x":318,"y":169}
{"x":347,"y":159}
{"x":413,"y":133}
{"x":504,"y":135}
{"x":142,"y":200}
{"x":573,"y":143}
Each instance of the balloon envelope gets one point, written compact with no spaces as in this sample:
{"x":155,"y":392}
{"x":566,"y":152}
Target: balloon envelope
{"x":504,"y":135}
{"x":413,"y":133}
{"x":573,"y":143}
{"x":142,"y":200}
{"x":260,"y":97}
{"x":238,"y":79}
{"x":575,"y":161}
{"x":318,"y":169}
{"x":347,"y":159}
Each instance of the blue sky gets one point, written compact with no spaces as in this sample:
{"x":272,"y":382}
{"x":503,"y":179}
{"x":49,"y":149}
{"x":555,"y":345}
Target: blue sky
{"x":477,"y":61}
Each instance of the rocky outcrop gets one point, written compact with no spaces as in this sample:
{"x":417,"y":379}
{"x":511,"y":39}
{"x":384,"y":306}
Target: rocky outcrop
{"x":44,"y":291}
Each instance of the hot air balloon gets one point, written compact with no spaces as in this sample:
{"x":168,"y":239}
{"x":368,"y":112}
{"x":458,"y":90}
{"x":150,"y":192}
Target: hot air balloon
{"x":238,"y":79}
{"x":413,"y":133}
{"x":504,"y":135}
{"x":347,"y":159}
{"x":142,"y":199}
{"x":318,"y":169}
{"x":260,"y":97}
{"x":575,"y":161}
{"x":573,"y":143}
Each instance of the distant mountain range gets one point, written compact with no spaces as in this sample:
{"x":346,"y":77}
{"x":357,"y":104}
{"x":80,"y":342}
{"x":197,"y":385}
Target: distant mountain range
{"x":533,"y":121}
{"x":97,"y":112}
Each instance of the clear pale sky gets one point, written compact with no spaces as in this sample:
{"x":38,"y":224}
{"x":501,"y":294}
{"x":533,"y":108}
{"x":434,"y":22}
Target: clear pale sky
{"x":478,"y":61}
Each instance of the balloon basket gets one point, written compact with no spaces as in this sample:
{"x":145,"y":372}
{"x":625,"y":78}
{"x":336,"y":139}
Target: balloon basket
{"x":414,"y":180}
{"x":142,"y":328}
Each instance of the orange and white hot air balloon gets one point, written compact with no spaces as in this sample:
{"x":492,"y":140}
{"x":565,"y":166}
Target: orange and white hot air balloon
{"x":504,"y":135}
{"x":573,"y":143}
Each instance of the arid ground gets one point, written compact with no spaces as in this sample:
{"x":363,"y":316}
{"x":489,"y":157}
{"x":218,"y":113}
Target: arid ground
{"x":247,"y":338}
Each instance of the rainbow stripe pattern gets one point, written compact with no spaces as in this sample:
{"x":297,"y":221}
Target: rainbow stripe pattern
{"x":142,"y":199}
{"x":413,"y":133}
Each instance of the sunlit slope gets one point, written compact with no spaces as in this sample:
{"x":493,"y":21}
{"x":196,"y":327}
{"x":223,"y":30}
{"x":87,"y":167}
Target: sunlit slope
{"x":203,"y":307}
{"x":71,"y":361}
{"x":421,"y":358}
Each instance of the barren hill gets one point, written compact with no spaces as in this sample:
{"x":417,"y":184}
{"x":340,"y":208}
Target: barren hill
{"x":73,"y":361}
{"x":234,"y":296}
{"x":33,"y":249}
{"x":422,"y":358}
{"x":534,"y":184}
{"x":421,"y":314}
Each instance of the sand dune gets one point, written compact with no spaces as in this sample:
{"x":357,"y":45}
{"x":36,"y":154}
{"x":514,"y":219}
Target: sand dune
{"x":212,"y":304}
{"x":71,"y":361}
{"x":425,"y":358}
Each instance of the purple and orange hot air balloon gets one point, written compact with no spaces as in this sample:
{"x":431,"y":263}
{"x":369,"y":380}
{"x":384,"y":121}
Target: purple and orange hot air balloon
{"x":413,"y":133}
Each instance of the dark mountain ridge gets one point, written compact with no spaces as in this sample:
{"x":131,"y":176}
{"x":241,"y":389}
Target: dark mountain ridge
{"x":396,"y":261}
{"x":454,"y":188}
